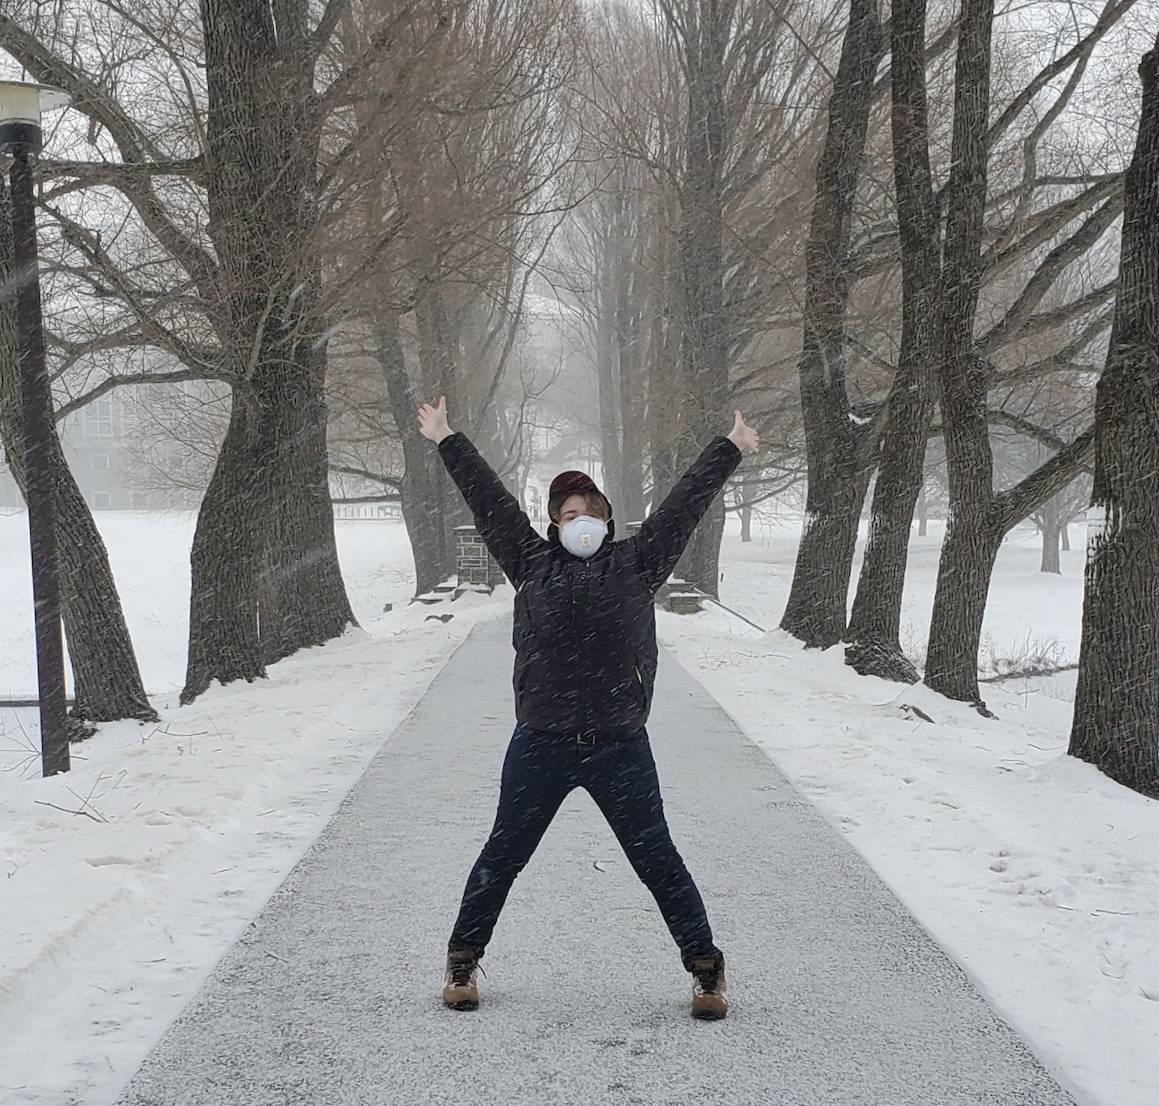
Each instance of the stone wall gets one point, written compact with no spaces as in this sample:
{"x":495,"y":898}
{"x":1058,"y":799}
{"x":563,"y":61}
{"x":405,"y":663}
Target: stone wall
{"x":472,"y":561}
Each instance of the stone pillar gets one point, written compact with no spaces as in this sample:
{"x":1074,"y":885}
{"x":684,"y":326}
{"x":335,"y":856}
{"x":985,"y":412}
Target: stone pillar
{"x":472,"y":561}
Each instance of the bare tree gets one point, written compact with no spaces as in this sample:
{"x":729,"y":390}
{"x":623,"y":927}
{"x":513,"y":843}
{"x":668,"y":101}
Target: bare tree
{"x":698,"y":114}
{"x":107,"y":681}
{"x":265,"y":572}
{"x":458,"y":186}
{"x":236,"y":223}
{"x":979,"y":514}
{"x":874,"y":625}
{"x":840,"y":444}
{"x":1116,"y":714}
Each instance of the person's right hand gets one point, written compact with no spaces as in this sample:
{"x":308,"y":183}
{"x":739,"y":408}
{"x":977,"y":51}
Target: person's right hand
{"x":433,"y":421}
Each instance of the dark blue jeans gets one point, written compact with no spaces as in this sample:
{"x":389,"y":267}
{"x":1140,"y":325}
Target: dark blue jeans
{"x":539,"y":771}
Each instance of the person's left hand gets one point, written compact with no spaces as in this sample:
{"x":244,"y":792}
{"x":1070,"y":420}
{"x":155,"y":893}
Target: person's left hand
{"x":744,"y":437}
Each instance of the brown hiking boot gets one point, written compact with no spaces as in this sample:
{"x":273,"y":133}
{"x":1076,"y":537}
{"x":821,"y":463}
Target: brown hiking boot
{"x":708,"y":993}
{"x":460,"y":991}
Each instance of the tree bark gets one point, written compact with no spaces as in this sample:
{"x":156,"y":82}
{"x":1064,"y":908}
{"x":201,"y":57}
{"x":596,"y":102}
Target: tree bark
{"x":1116,"y":712}
{"x":875,"y":624}
{"x":1051,"y":535}
{"x":838,"y":447}
{"x":269,"y":491}
{"x":630,"y":486}
{"x":971,"y":542}
{"x":979,"y":518}
{"x":704,"y":336}
{"x":1064,"y":534}
{"x":606,"y":383}
{"x":106,"y":679}
{"x":421,"y":511}
{"x":302,"y":599}
{"x":665,"y":388}
{"x":223,"y":604}
{"x":438,"y":365}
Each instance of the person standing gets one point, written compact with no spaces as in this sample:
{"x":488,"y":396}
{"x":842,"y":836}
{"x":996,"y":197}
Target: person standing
{"x":585,"y":664}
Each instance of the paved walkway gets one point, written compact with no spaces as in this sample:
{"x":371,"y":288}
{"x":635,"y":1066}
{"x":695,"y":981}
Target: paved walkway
{"x":332,"y":997}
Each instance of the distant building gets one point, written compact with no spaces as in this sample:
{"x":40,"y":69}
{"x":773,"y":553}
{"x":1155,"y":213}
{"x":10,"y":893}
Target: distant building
{"x":97,"y":443}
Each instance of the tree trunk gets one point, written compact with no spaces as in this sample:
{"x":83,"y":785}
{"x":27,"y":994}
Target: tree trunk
{"x":979,"y":518}
{"x":630,"y":487}
{"x":106,"y":680}
{"x":837,"y":447}
{"x":972,"y":538}
{"x":437,"y":366}
{"x":223,"y":610}
{"x":746,"y":511}
{"x":302,"y":599}
{"x":269,"y":492}
{"x":1064,"y":535}
{"x":665,"y":390}
{"x":874,"y":627}
{"x":964,"y":570}
{"x":1116,"y":711}
{"x":704,"y":335}
{"x":1051,"y":536}
{"x":420,"y":508}
{"x":606,"y":377}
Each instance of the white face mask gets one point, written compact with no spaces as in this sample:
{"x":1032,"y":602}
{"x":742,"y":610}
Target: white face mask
{"x":583,"y":535}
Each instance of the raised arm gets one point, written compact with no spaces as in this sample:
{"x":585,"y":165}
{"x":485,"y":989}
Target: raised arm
{"x":504,"y":527}
{"x":667,"y":530}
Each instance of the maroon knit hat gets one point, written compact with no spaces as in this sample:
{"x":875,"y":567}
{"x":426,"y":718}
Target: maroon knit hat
{"x":572,"y":483}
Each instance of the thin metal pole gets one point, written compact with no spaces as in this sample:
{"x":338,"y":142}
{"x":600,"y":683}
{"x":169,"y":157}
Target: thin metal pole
{"x":38,"y":465}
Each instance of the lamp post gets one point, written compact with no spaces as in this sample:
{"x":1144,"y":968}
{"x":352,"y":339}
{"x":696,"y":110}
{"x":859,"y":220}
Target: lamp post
{"x":21,"y":105}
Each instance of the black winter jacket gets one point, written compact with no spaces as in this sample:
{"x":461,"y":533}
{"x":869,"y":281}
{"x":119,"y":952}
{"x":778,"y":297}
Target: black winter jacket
{"x":585,"y":630}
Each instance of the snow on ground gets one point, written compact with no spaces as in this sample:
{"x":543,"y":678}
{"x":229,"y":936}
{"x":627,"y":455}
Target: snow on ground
{"x":1039,"y":875}
{"x":149,"y":552}
{"x":110,"y":919}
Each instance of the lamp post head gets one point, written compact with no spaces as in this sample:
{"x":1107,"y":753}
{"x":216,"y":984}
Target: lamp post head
{"x":21,"y":107}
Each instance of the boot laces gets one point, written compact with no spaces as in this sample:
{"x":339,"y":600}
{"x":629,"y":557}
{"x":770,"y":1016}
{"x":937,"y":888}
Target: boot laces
{"x":461,"y":971}
{"x":708,"y":979}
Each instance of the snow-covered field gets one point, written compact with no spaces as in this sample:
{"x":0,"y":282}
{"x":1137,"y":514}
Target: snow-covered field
{"x":1037,"y":874}
{"x":1034,"y":871}
{"x":110,"y":919}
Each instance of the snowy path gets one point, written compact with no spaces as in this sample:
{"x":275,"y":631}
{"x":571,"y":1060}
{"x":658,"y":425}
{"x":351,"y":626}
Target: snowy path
{"x":332,"y":997}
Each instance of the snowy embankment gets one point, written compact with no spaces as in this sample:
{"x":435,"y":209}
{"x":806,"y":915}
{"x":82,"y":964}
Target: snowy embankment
{"x":126,"y":879}
{"x":1037,"y":874}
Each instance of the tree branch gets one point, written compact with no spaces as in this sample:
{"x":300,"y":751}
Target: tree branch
{"x":134,"y":146}
{"x":1109,"y":17}
{"x":1049,"y":270}
{"x":119,"y":380}
{"x":1022,"y":500}
{"x":88,"y":244}
{"x":119,"y":174}
{"x":327,"y":24}
{"x":1027,"y":429}
{"x":378,"y":477}
{"x":1050,"y":221}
